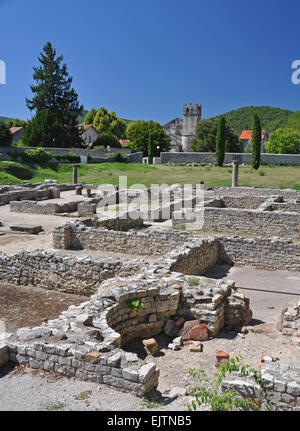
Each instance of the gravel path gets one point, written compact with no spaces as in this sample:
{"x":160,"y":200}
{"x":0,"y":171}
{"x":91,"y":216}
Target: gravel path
{"x":30,"y":392}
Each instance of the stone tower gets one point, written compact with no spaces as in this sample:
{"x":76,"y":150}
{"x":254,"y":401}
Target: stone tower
{"x":191,"y":116}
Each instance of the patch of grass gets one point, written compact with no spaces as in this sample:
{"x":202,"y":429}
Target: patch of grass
{"x":261,"y":173}
{"x":136,"y":173}
{"x":193,"y":281}
{"x":55,"y":406}
{"x":83,"y":396}
{"x":153,"y":404}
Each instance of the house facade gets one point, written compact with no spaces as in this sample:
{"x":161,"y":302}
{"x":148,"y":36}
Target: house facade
{"x":17,"y":133}
{"x":246,"y":136}
{"x":88,"y":134}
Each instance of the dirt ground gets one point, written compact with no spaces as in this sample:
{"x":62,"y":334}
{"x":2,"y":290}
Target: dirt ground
{"x":25,"y":306}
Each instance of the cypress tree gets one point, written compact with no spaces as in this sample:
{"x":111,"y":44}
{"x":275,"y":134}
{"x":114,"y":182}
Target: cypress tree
{"x":256,"y":142}
{"x":150,"y":146}
{"x":220,"y":141}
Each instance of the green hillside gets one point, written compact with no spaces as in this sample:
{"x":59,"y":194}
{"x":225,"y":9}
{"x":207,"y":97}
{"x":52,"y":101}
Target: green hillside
{"x":4,"y":118}
{"x":271,"y":118}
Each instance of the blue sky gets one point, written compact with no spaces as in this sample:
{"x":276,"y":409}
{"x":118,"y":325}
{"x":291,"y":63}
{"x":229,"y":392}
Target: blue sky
{"x":145,"y":58}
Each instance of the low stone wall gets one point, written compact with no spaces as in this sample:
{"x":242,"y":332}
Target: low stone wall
{"x":266,"y":159}
{"x":31,"y":192}
{"x":199,"y":258}
{"x":16,"y":195}
{"x":32,"y":207}
{"x":121,"y":223}
{"x":248,"y":192}
{"x":282,"y":382}
{"x":68,"y":274}
{"x":289,"y":320}
{"x":243,"y":202}
{"x":273,"y":253}
{"x":287,"y":206}
{"x":271,"y":223}
{"x":76,"y":236}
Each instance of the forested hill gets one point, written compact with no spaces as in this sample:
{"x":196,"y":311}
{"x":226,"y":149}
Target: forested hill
{"x":271,"y":118}
{"x":4,"y":118}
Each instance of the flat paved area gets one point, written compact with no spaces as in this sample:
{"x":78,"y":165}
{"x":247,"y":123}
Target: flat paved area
{"x":267,"y":289}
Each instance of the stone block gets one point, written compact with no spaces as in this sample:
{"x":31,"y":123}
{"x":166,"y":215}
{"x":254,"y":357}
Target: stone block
{"x":221,"y":357}
{"x":198,"y":333}
{"x":31,"y":229}
{"x":151,"y":346}
{"x":188,"y":325}
{"x":92,"y":357}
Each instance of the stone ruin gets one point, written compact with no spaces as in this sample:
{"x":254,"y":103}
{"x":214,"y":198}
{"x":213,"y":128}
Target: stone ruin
{"x":87,"y":341}
{"x":135,"y":299}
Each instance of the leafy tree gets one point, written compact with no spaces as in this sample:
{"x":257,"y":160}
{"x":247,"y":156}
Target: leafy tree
{"x":53,"y":93}
{"x":256,"y":142}
{"x":283,"y":141}
{"x":106,"y":122}
{"x":206,"y":135}
{"x":90,"y":116}
{"x":45,"y":130}
{"x":118,"y":128}
{"x":220,"y":141}
{"x":138,"y":134}
{"x":293,"y":122}
{"x":15,"y":122}
{"x":107,"y":139}
{"x":5,"y":135}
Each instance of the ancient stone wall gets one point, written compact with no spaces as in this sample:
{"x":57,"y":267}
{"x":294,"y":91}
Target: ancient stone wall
{"x":31,"y":192}
{"x":248,"y":192}
{"x":86,"y":341}
{"x":289,"y":320}
{"x":271,"y":223}
{"x":282,"y":383}
{"x":32,"y":207}
{"x":77,"y":236}
{"x":69,"y":274}
{"x":273,"y":253}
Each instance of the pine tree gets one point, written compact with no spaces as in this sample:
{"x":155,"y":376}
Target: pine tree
{"x":256,"y":142}
{"x":53,"y":93}
{"x":220,"y":141}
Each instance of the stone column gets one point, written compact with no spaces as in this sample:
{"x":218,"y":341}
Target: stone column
{"x":235,"y":173}
{"x":75,"y":174}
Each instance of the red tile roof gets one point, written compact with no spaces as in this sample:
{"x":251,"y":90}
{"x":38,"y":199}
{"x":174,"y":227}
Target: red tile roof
{"x":15,"y":129}
{"x":84,"y":127}
{"x":247,"y":134}
{"x":123,"y":142}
